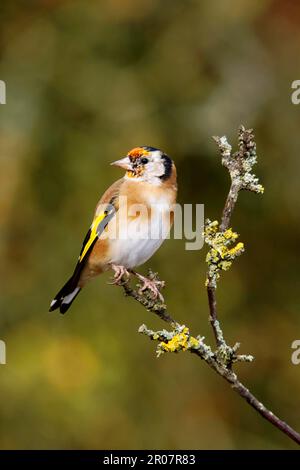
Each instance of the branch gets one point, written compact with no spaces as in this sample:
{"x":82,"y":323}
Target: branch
{"x":146,"y":299}
{"x":221,"y":362}
{"x":220,"y":257}
{"x":240,"y":166}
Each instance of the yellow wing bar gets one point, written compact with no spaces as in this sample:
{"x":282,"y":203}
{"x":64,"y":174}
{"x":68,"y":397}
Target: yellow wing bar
{"x":93,"y":234}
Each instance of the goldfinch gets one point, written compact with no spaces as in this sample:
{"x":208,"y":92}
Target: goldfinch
{"x":131,"y":221}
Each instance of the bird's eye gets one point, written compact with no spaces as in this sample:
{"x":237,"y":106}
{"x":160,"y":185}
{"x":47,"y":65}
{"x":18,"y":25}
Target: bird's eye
{"x":144,"y":161}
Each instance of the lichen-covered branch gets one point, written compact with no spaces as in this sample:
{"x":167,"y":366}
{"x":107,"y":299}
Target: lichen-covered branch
{"x":220,"y":257}
{"x":221,"y":362}
{"x":223,"y":250}
{"x":146,"y":299}
{"x":240,"y":166}
{"x":222,"y":253}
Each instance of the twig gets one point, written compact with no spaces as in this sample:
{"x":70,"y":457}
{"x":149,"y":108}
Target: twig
{"x":213,"y":317}
{"x":240,"y":166}
{"x":145,"y":298}
{"x":220,"y":257}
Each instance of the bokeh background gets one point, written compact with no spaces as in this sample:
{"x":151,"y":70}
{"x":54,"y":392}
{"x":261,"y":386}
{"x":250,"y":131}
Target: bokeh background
{"x":87,"y":81}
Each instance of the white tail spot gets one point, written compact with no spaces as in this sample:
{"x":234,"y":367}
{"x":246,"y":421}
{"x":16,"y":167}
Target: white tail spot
{"x":68,"y":299}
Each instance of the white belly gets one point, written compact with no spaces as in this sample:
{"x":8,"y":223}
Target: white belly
{"x":137,"y":243}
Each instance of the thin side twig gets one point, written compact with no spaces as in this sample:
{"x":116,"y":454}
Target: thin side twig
{"x":239,"y":166}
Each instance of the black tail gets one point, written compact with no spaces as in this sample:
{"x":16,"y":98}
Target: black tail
{"x":69,"y":292}
{"x":66,"y":295}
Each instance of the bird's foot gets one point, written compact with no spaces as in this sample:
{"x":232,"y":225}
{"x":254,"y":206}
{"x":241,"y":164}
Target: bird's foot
{"x":120,"y":273}
{"x":153,"y":285}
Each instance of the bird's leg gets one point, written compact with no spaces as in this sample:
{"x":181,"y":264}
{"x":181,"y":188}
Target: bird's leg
{"x":120,"y":271}
{"x":152,"y":284}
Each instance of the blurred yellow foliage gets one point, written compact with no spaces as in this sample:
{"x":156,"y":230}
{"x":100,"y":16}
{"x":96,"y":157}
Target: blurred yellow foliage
{"x":70,"y":365}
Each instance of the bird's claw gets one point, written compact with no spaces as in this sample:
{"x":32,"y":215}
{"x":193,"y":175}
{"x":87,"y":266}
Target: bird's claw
{"x":153,"y":285}
{"x":120,"y":273}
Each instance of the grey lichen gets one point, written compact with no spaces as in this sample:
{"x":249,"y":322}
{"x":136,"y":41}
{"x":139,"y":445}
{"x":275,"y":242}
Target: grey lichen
{"x":180,"y":339}
{"x":227,"y":355}
{"x":241,"y":163}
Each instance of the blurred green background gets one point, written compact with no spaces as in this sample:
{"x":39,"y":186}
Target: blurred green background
{"x":87,"y":81}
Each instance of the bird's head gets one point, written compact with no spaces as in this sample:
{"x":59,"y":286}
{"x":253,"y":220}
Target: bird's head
{"x":146,"y":164}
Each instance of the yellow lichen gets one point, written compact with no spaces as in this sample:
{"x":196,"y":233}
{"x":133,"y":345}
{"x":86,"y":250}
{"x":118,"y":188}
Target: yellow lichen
{"x":193,"y":342}
{"x":181,"y":341}
{"x":221,"y":253}
{"x":177,"y":343}
{"x":225,"y":265}
{"x":230,"y":235}
{"x":235,"y":251}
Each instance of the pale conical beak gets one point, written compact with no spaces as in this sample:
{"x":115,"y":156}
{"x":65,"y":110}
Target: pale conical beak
{"x":123,"y":163}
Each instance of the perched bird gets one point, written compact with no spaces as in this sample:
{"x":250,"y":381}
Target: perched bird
{"x":131,"y":221}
